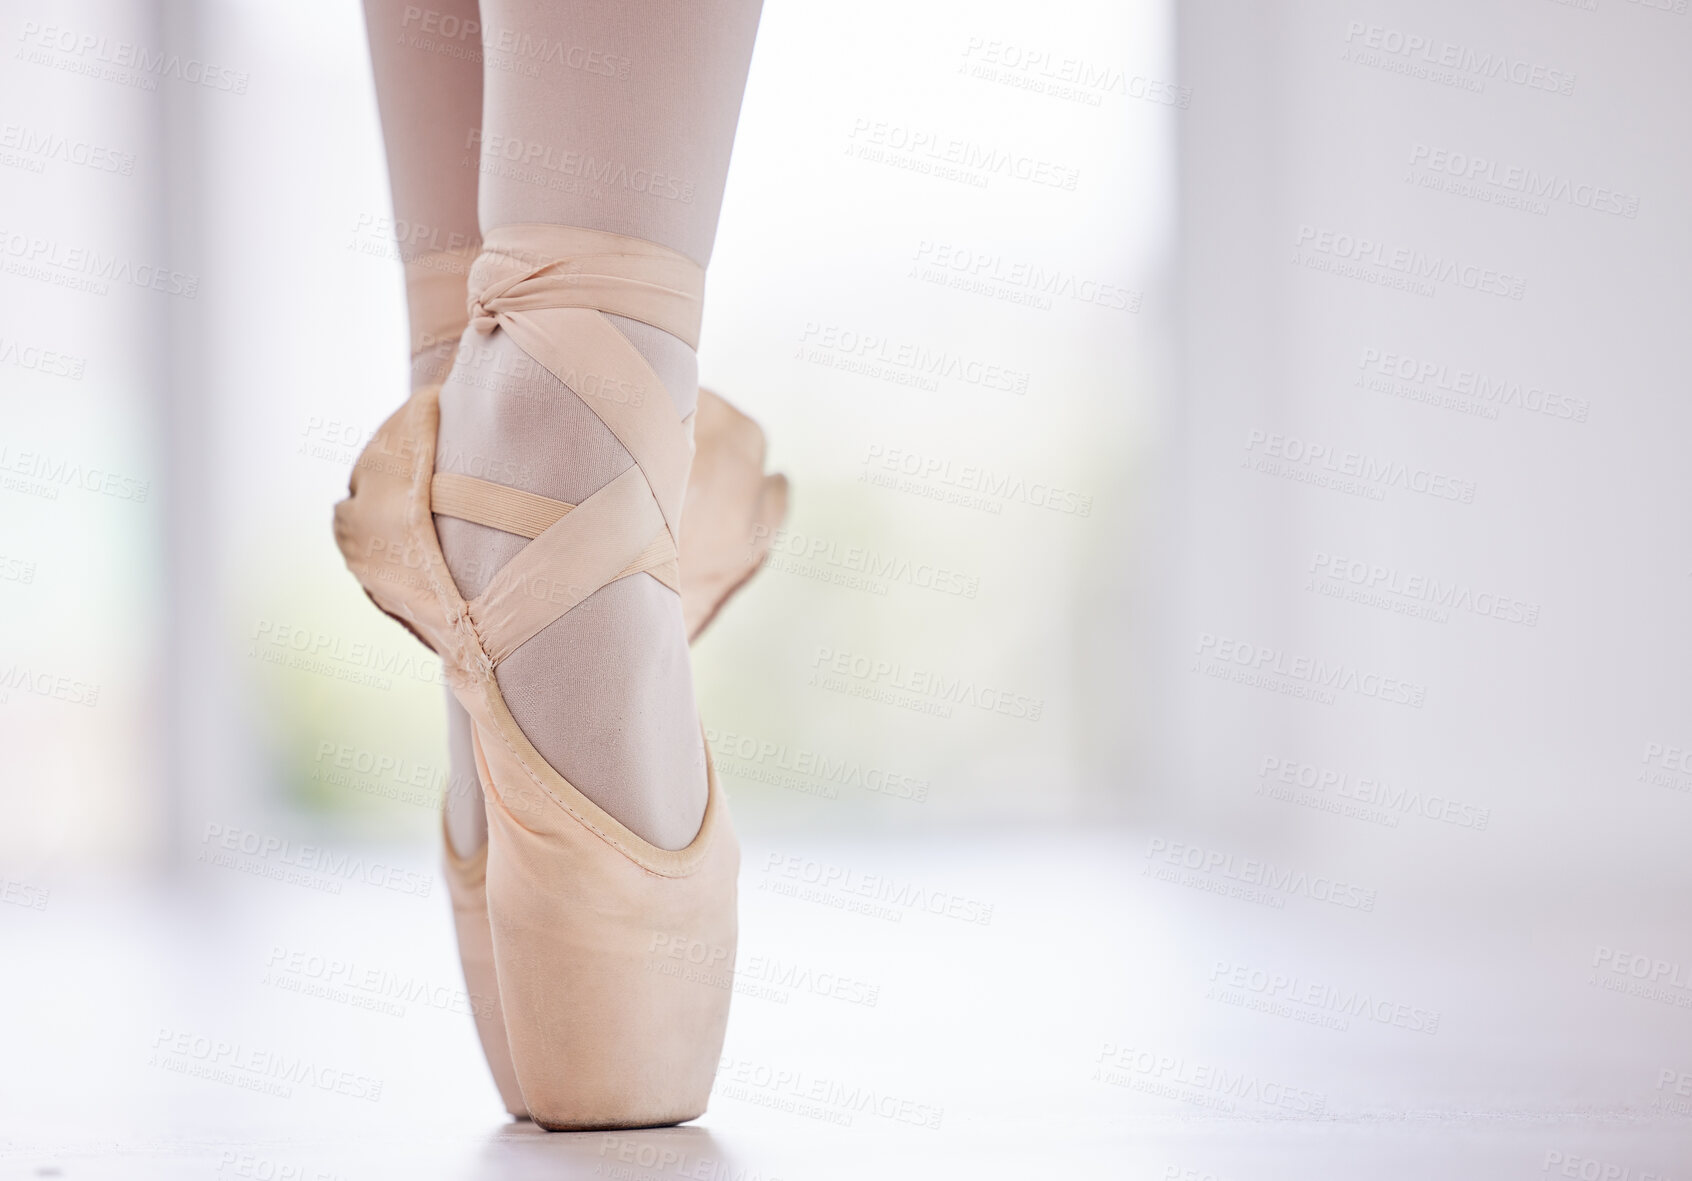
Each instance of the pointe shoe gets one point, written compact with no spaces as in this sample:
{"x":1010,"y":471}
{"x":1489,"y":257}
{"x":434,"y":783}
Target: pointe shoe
{"x":732,"y":509}
{"x":730,"y":514}
{"x":583,"y":913}
{"x":467,"y":884}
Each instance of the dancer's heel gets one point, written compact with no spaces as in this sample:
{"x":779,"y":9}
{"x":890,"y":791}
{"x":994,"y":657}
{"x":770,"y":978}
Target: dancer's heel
{"x":732,"y":512}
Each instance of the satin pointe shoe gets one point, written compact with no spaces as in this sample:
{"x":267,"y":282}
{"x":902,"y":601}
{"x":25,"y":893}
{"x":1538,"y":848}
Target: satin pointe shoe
{"x":731,"y":511}
{"x":601,"y":1032}
{"x":731,"y":514}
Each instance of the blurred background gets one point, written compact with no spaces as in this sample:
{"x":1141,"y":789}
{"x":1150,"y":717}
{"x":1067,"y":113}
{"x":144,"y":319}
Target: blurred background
{"x":1270,"y":434}
{"x":952,"y":368}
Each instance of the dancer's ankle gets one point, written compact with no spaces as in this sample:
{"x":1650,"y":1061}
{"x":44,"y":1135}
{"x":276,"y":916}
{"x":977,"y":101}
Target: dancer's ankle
{"x":431,"y":364}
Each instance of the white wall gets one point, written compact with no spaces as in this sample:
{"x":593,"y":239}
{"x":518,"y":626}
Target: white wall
{"x":1549,"y":697}
{"x":89,"y":290}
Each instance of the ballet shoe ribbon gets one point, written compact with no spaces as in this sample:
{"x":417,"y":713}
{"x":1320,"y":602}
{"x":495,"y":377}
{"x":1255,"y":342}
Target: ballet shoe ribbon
{"x":531,"y":267}
{"x":554,"y":290}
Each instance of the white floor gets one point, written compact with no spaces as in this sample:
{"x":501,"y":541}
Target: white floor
{"x":1042,"y":1008}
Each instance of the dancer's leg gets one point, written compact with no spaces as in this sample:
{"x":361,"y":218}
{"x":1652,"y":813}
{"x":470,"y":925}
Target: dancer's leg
{"x":428,"y":70}
{"x":613,"y":116}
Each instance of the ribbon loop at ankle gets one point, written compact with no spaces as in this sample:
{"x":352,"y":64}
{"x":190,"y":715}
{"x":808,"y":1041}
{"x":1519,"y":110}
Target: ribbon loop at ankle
{"x":530,"y":267}
{"x":554,"y":290}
